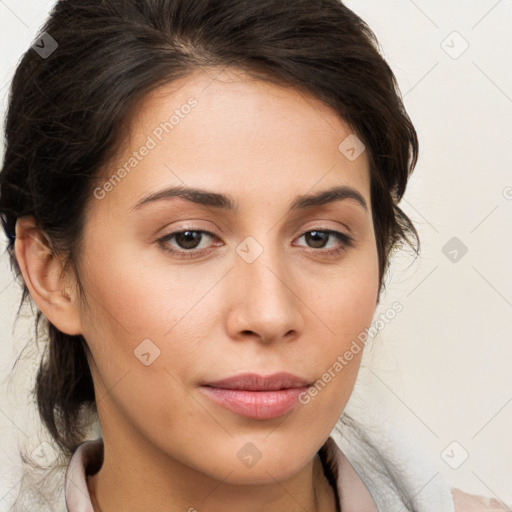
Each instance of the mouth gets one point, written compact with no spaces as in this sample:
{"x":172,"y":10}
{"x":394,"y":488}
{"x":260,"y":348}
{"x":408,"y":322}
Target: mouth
{"x":255,"y":396}
{"x":255,"y":382}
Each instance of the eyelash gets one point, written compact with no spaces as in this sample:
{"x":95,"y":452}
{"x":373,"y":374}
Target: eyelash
{"x":347,"y":242}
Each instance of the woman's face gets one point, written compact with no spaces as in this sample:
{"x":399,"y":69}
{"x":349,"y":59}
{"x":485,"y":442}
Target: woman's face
{"x":255,"y":286}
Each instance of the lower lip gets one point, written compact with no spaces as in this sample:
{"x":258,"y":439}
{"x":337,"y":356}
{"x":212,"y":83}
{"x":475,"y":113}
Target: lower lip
{"x":258,"y":405}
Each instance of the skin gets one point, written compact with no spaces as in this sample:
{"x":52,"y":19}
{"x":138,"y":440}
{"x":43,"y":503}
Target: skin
{"x":214,"y":315}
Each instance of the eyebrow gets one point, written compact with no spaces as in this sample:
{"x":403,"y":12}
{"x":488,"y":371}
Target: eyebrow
{"x":226,"y":202}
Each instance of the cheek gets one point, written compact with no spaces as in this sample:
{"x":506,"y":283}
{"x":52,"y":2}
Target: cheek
{"x":346,"y":306}
{"x":132,"y":297}
{"x":144,"y":313}
{"x":145,"y":337}
{"x":347,"y":299}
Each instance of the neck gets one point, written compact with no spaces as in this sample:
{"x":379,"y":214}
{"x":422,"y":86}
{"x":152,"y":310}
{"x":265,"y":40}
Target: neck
{"x":133,"y":487}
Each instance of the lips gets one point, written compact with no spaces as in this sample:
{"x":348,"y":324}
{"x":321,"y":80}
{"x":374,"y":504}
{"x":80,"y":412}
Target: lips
{"x":255,"y":396}
{"x":255,"y":382}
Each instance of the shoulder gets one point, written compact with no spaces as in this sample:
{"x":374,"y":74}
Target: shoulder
{"x":465,"y":502}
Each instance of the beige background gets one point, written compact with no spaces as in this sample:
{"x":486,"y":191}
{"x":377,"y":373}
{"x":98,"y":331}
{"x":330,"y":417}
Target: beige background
{"x":442,"y":367}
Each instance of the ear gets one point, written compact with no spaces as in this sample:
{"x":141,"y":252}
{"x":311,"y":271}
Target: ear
{"x":53,"y":291}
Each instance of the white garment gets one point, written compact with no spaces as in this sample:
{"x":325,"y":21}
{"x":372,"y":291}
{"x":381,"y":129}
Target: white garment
{"x":397,"y":474}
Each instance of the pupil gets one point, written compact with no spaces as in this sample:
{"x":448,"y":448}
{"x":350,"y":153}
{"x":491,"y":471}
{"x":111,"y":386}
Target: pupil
{"x":317,"y":234}
{"x":186,"y":239}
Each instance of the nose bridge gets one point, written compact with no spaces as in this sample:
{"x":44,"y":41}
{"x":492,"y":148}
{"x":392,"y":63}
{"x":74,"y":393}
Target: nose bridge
{"x":265,"y":302}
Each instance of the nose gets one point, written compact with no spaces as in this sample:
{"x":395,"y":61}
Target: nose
{"x":263,"y":302}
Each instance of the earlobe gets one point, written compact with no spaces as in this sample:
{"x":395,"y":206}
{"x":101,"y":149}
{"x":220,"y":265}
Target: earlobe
{"x":42,"y":271}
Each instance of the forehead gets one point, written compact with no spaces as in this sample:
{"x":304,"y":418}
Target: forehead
{"x":226,"y":130}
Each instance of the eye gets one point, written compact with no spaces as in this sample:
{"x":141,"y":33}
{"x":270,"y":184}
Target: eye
{"x":318,"y":238}
{"x":188,"y":241}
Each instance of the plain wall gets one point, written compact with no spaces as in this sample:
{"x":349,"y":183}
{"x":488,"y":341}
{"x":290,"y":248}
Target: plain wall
{"x":441,"y":367}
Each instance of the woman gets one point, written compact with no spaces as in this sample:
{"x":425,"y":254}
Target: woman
{"x":202,"y":199}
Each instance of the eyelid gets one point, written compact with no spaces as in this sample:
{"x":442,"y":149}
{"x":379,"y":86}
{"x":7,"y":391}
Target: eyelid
{"x":190,"y":225}
{"x":197,"y":227}
{"x":323,"y":226}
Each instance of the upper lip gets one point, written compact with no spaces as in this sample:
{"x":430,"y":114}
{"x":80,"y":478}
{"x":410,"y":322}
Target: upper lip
{"x":255,"y":382}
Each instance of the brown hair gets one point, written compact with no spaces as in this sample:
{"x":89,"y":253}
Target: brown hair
{"x":66,"y":111}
